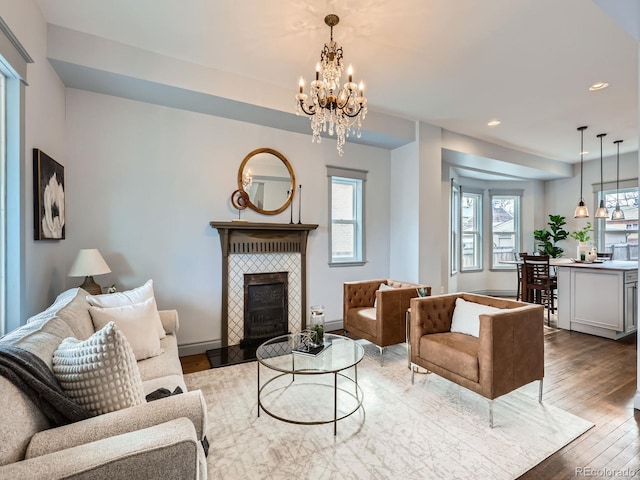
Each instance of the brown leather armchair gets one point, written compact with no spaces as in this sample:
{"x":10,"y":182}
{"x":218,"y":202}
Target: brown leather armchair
{"x":508,"y":353}
{"x":378,"y":315}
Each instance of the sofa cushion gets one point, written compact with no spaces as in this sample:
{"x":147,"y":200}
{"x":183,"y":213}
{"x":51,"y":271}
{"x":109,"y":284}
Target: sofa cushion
{"x":162,"y":365}
{"x":129,"y":297}
{"x":138,"y":324}
{"x":99,"y":373}
{"x":381,"y":288}
{"x":72,"y":307}
{"x":466,"y":316}
{"x":40,"y":337}
{"x":363,"y":318}
{"x":455,"y":352}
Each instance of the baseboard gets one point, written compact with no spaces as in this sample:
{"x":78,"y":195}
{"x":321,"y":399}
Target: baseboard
{"x":197,"y":347}
{"x":333,"y":325}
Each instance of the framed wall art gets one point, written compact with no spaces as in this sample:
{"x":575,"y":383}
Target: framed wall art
{"x":48,"y":197}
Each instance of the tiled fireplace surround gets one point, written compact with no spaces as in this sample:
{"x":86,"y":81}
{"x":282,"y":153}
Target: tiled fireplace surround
{"x":249,"y":247}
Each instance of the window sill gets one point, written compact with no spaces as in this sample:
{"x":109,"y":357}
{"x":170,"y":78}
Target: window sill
{"x":472,"y":271}
{"x":501,"y":269}
{"x":346,"y":264}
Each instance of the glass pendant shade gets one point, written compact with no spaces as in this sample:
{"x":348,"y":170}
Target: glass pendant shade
{"x":617,"y":214}
{"x":581,"y":209}
{"x":602,"y":211}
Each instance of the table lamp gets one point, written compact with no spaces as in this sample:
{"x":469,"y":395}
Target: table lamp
{"x":89,"y":262}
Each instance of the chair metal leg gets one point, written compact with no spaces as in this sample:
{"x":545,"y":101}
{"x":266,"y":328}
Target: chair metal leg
{"x":413,"y":372}
{"x":381,"y":355}
{"x":491,"y":413}
{"x":540,"y":391}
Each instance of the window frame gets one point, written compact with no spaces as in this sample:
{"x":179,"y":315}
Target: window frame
{"x":516,"y":195}
{"x":609,"y":188}
{"x":478,"y":194}
{"x":454,"y":244}
{"x":357,"y":179}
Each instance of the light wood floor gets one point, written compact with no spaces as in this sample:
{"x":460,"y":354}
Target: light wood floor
{"x":588,"y":376}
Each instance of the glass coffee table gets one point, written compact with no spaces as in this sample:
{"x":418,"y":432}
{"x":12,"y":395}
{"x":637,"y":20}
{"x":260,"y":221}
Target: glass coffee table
{"x":280,"y":356}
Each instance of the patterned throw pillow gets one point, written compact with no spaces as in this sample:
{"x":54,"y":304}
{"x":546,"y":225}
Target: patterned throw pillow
{"x":99,"y":373}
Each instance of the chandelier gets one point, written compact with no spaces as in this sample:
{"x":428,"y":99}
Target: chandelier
{"x":333,"y":109}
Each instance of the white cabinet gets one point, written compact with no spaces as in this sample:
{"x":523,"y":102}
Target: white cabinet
{"x":631,"y":302}
{"x":600,"y":300}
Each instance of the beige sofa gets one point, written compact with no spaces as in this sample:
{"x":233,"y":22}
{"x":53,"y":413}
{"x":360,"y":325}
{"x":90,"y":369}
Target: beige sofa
{"x":159,"y":439}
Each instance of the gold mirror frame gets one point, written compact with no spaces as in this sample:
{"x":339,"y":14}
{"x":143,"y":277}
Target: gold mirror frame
{"x":292,"y":177}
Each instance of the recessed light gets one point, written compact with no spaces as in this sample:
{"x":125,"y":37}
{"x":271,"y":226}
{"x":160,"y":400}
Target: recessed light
{"x":598,"y":86}
{"x":493,"y":123}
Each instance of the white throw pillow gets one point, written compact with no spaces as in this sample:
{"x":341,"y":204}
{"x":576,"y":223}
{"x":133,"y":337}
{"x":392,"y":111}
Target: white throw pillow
{"x":466,"y":316}
{"x":129,"y":297}
{"x":137,"y":323}
{"x":99,"y":373}
{"x":382,"y":288}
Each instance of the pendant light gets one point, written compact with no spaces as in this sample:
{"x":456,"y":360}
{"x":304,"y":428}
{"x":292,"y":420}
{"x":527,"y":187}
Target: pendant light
{"x":581,"y":209}
{"x":617,"y":214}
{"x":602,"y":211}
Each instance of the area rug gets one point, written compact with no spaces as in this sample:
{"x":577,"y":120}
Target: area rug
{"x":432,"y":429}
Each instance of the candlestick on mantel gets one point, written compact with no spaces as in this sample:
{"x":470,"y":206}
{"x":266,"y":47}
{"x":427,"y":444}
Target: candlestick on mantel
{"x":300,"y":204}
{"x":290,"y":192}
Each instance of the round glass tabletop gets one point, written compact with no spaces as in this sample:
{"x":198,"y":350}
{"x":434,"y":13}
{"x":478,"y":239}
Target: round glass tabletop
{"x":280,"y":354}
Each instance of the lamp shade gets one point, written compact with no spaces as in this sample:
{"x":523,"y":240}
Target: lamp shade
{"x":88,"y":262}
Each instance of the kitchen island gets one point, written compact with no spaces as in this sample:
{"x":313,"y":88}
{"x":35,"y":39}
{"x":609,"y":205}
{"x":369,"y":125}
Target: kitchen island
{"x":598,"y":298}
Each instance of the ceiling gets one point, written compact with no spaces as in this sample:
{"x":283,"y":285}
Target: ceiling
{"x":456,"y":64}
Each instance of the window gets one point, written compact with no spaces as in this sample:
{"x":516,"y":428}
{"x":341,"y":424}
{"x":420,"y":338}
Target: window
{"x":13,"y":77}
{"x":471,"y":230}
{"x":620,"y":237}
{"x":455,"y":228}
{"x":505,"y":227}
{"x":346,"y":199}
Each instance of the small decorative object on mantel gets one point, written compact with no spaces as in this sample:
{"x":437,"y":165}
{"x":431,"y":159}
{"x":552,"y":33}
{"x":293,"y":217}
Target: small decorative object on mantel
{"x":291,"y":209}
{"x":239,"y":200}
{"x":300,"y":204}
{"x":48,"y":201}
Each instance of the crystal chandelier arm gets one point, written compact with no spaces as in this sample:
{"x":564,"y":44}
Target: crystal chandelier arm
{"x":308,"y":109}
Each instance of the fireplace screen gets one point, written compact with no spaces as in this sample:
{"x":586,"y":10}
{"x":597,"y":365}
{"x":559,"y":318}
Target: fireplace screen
{"x":266,"y":303}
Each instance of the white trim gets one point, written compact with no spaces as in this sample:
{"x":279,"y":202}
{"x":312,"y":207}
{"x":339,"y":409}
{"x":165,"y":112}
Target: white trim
{"x":196,"y":348}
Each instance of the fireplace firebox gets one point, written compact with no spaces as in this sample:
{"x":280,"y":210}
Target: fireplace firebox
{"x":266,"y":304}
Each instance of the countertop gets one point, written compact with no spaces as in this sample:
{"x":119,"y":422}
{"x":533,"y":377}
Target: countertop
{"x":606,"y":265}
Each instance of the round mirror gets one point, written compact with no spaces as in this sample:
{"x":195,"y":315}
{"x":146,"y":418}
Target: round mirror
{"x":267,"y":177}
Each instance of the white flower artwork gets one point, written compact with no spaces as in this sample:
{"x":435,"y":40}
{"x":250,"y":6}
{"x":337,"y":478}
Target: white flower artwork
{"x":49,"y":197}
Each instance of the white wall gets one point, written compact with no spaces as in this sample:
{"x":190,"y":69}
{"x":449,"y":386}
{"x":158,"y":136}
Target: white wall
{"x":404,"y":234}
{"x":44,"y":129}
{"x":144,"y":181}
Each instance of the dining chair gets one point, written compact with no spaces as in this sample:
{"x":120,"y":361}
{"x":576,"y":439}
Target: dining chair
{"x":605,"y":255}
{"x":518,"y":258}
{"x":540,"y":283}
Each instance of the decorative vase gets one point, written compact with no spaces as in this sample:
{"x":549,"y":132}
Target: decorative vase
{"x":592,"y":255}
{"x":583,"y":250}
{"x":316,"y":325}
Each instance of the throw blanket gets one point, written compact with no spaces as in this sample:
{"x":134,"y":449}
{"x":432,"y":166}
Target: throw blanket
{"x":31,"y":375}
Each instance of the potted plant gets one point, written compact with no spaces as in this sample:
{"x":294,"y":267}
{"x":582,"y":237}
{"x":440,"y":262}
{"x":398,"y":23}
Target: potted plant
{"x":546,"y":239}
{"x":582,"y":236}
